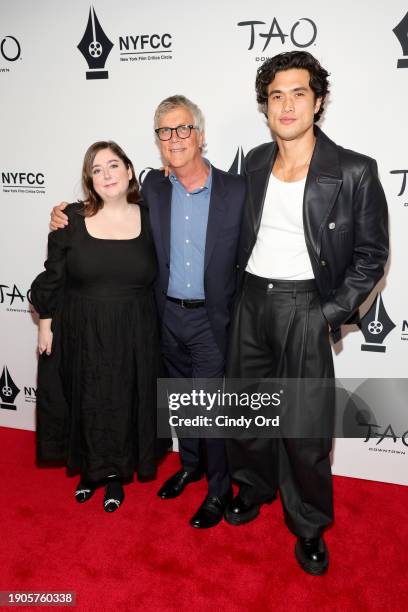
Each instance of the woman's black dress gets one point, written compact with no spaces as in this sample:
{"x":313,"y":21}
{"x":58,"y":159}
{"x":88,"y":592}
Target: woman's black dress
{"x":96,"y":398}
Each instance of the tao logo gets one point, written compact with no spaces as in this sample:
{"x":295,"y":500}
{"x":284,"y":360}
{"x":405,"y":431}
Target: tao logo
{"x":10,"y":48}
{"x":275,"y":31}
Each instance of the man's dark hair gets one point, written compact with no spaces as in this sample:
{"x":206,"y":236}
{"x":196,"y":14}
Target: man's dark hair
{"x":285,"y":61}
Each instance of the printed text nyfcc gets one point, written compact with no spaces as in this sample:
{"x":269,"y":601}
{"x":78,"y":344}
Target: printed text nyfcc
{"x":30,"y":181}
{"x":146,"y":47}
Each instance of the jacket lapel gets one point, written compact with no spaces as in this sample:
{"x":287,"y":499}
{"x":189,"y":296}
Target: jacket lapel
{"x":217,"y":210}
{"x":257,"y":182}
{"x":164,"y":210}
{"x":322,"y":187}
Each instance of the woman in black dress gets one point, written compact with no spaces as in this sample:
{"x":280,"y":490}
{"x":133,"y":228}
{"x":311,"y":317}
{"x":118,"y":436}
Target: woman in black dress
{"x":98,"y":335}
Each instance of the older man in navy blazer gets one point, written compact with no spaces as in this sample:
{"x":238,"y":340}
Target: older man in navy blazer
{"x":195,"y":216}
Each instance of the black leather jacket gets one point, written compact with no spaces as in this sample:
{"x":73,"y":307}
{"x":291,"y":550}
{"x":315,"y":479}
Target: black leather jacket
{"x":345,"y":220}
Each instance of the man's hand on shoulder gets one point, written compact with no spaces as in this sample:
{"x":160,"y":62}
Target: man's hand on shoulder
{"x":166,"y":170}
{"x":58,"y":218}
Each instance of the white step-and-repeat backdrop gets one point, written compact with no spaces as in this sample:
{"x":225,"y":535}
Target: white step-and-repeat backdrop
{"x":72,"y":73}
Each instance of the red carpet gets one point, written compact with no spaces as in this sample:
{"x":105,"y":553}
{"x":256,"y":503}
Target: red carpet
{"x":146,"y":556}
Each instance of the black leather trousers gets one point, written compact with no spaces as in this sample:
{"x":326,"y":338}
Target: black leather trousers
{"x":279,"y":331}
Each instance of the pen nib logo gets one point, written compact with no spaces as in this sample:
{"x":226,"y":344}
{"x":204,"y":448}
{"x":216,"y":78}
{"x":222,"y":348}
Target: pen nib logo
{"x":8,"y":390}
{"x":401,"y":32}
{"x":95,"y":46}
{"x":376,"y":325}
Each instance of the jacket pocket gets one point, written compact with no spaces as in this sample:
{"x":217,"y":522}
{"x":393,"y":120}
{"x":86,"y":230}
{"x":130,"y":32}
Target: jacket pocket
{"x":343,"y":237}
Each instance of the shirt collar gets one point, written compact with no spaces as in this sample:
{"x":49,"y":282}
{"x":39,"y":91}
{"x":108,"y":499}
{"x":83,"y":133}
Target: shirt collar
{"x":174,"y":180}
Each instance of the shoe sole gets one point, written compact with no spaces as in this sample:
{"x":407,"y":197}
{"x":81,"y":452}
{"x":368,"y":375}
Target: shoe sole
{"x":232,"y":519}
{"x":205,"y":526}
{"x":314,"y":569}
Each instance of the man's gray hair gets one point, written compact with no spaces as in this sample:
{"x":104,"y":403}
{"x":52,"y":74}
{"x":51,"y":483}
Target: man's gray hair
{"x":174,"y":102}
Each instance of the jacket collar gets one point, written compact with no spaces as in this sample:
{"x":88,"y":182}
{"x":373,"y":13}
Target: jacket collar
{"x":325,"y":159}
{"x":322,"y":186}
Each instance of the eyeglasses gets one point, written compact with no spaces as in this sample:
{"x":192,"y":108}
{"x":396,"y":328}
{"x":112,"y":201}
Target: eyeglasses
{"x":182,"y":131}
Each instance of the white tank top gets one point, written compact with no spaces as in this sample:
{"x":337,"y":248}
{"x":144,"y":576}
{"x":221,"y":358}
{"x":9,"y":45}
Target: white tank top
{"x":280,"y":250}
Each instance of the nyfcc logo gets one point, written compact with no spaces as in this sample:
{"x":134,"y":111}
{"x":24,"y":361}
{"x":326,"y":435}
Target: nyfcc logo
{"x":27,"y":181}
{"x":375,"y":326}
{"x":9,"y":391}
{"x":145,"y":47}
{"x":95,"y":46}
{"x":401,"y":32}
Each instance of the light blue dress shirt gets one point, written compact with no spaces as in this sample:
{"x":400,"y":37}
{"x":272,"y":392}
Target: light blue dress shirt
{"x":189,"y":220}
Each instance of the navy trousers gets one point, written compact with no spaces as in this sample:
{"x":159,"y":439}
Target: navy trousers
{"x":190,"y":351}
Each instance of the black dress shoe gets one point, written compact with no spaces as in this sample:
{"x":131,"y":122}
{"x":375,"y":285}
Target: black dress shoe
{"x":312,"y":555}
{"x":114,"y":495}
{"x":239,"y":512}
{"x":175,"y":485}
{"x":211,"y":511}
{"x":84,"y":491}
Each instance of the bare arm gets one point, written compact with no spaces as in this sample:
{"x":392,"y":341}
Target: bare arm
{"x":44,"y":336}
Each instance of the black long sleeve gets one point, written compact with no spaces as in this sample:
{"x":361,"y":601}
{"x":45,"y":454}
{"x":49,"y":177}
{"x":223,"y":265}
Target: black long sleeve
{"x":47,"y":288}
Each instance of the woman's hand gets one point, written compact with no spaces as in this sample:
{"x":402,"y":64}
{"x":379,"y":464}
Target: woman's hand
{"x":44,"y":336}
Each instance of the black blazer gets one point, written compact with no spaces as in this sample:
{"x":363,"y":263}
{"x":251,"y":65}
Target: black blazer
{"x":221,"y":247}
{"x":345,"y":221}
